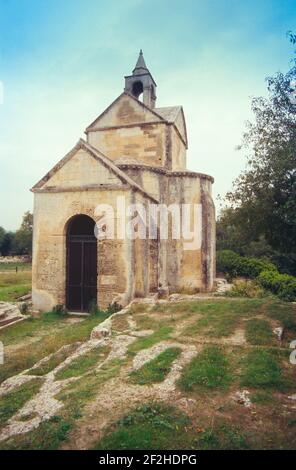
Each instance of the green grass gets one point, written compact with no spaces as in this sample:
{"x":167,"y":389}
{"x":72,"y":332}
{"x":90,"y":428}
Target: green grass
{"x":48,"y":436}
{"x":53,"y":432}
{"x":151,"y":426}
{"x":14,"y":285}
{"x":263,"y":397}
{"x":146,"y":342}
{"x":12,"y":266}
{"x":78,"y":393}
{"x":53,"y":361}
{"x":283,"y":312}
{"x":52,"y":331}
{"x":261,"y":368}
{"x":223,"y":437}
{"x":215,"y":372}
{"x":159,"y":426}
{"x":13,"y":401}
{"x":209,"y":370}
{"x":12,"y":293}
{"x":220,"y":318}
{"x":259,"y":332}
{"x":145,"y":322}
{"x":81,"y":365}
{"x":32,"y":327}
{"x":157,"y":369}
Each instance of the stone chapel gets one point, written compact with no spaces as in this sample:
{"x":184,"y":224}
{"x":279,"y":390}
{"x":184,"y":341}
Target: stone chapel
{"x":134,"y":152}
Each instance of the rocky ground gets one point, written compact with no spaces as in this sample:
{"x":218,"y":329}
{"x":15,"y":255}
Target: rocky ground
{"x":87,"y":386}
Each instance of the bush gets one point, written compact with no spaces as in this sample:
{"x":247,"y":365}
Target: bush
{"x":282,"y":285}
{"x":245,"y":288}
{"x":265,"y":273}
{"x":252,"y":267}
{"x":228,"y":262}
{"x":288,"y":288}
{"x":235,"y":265}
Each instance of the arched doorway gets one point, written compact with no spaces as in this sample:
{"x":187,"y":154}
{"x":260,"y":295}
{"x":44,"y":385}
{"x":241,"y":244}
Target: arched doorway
{"x":81,"y":279}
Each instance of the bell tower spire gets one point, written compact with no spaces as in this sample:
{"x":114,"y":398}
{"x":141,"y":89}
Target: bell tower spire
{"x":141,"y":81}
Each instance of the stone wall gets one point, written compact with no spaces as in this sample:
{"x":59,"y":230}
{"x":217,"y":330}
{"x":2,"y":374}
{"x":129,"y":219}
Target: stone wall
{"x":52,"y":211}
{"x":149,"y":152}
{"x":182,"y":270}
{"x":128,"y":132}
{"x":143,"y":143}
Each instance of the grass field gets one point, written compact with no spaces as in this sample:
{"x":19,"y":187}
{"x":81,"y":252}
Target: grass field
{"x":236,"y":352}
{"x":14,"y":285}
{"x":13,"y":267}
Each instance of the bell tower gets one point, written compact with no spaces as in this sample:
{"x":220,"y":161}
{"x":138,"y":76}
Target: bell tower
{"x":141,"y":81}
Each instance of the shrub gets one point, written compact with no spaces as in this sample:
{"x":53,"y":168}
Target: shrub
{"x":235,"y":265}
{"x":270,"y":280}
{"x":252,"y":267}
{"x":246,"y":288}
{"x":282,"y":285}
{"x":265,"y":273}
{"x":288,"y":289}
{"x":228,"y":262}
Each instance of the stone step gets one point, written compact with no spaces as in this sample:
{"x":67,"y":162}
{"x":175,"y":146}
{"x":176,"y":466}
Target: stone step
{"x":9,"y":321}
{"x":25,"y":297}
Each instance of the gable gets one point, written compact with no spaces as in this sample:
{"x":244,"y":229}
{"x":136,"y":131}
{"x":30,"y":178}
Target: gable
{"x":123,"y":111}
{"x":181,"y":125}
{"x":85,"y":166}
{"x":82,"y":170}
{"x":174,"y":115}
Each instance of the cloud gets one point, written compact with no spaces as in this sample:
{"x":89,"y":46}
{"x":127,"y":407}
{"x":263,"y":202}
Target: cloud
{"x":62,"y":64}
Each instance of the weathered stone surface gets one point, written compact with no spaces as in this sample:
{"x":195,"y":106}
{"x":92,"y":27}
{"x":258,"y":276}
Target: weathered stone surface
{"x":222,"y":285}
{"x":137,"y":153}
{"x":9,"y":313}
{"x":45,"y":404}
{"x":101,"y":332}
{"x":279,"y":331}
{"x":243,"y":398}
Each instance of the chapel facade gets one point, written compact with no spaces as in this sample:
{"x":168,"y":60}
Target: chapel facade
{"x":134,"y":155}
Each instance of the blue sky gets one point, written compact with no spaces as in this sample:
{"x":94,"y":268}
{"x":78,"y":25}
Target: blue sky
{"x":63,"y":61}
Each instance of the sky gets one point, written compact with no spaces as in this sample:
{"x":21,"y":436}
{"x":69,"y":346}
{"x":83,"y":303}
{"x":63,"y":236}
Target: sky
{"x":62,"y":62}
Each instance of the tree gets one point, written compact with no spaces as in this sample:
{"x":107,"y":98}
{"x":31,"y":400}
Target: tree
{"x":22,"y":243}
{"x":2,"y":238}
{"x":7,"y":243}
{"x":262,"y":203}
